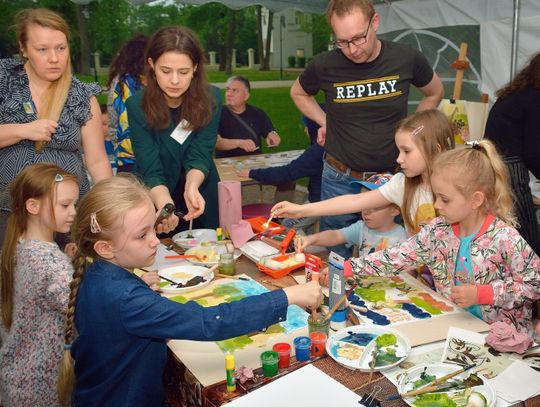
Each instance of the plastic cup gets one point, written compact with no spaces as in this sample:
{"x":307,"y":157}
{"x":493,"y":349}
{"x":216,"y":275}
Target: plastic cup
{"x":320,"y":325}
{"x":302,"y":348}
{"x":318,"y":343}
{"x":269,"y":361}
{"x":283,"y":350}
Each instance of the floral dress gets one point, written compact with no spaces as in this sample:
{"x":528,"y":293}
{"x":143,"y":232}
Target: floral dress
{"x":503,"y":265}
{"x":31,"y":350}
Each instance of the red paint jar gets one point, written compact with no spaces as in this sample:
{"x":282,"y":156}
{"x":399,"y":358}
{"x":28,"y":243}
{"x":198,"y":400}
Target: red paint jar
{"x":318,"y":343}
{"x":283,"y":350}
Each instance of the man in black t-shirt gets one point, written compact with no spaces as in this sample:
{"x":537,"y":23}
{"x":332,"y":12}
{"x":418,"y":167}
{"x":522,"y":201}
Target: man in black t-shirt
{"x":366,"y":85}
{"x":242,"y":126}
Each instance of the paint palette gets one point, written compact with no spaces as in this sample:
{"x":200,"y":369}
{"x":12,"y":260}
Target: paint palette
{"x":185,"y":241}
{"x":458,"y":396}
{"x":198,"y":275}
{"x":355,"y":346}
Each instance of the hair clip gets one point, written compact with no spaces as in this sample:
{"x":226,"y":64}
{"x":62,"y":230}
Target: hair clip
{"x":58,"y":178}
{"x":475,"y":144}
{"x":94,"y":225}
{"x":417,"y":130}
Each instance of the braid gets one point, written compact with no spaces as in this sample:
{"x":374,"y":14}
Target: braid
{"x":66,"y":374}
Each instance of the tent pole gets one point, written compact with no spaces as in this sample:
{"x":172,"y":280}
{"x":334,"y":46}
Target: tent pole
{"x":515,"y":26}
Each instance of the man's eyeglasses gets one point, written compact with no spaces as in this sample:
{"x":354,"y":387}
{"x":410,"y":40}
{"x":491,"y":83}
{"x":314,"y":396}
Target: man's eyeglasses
{"x":356,"y":41}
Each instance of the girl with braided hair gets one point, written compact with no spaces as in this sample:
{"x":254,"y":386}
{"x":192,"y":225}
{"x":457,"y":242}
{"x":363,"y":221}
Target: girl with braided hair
{"x":116,"y":326}
{"x":34,"y":280}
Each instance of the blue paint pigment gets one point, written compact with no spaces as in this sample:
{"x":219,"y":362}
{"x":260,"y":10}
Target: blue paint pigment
{"x":360,"y":338}
{"x":302,"y":347}
{"x":416,"y":312}
{"x":378,"y":319}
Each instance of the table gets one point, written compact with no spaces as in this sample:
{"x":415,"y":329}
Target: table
{"x":227,"y":167}
{"x":184,"y":389}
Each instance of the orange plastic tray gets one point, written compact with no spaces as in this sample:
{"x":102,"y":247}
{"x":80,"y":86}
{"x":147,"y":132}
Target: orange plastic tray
{"x":281,"y":272}
{"x":256,"y":225}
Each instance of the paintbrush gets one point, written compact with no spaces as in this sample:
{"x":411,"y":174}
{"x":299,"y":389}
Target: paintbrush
{"x":275,"y":284}
{"x":233,"y":277}
{"x":372,"y":363}
{"x":189,"y":234}
{"x":432,"y":386}
{"x":266,"y":224}
{"x":161,"y":277}
{"x":339,"y":303}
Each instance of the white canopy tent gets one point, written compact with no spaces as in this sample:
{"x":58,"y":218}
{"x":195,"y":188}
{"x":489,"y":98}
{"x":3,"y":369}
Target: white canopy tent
{"x":495,"y":19}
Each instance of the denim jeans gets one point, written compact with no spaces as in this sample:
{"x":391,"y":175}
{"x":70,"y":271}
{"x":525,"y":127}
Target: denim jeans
{"x":336,"y":183}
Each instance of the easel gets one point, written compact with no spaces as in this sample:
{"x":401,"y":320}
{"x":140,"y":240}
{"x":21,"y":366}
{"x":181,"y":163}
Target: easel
{"x":468,"y":117}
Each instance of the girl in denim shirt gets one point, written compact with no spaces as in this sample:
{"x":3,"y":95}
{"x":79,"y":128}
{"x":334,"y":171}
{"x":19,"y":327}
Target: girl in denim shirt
{"x":116,"y":326}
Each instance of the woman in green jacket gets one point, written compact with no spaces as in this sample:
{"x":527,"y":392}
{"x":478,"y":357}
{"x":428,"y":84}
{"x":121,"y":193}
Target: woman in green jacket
{"x":173,"y":124}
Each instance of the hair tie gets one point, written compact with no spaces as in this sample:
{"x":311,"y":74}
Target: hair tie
{"x":67,"y":346}
{"x":417,"y":130}
{"x":94,"y":225}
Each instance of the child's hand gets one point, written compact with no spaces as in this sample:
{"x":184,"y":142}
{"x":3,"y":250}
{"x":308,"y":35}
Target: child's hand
{"x":287,"y":209}
{"x":301,"y":242}
{"x":243,"y":173}
{"x":305,"y":295}
{"x":464,"y":295}
{"x":323,"y":277}
{"x":151,"y":279}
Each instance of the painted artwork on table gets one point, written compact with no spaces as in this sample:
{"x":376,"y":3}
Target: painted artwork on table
{"x":226,"y":290}
{"x":396,"y":300}
{"x":464,"y":347}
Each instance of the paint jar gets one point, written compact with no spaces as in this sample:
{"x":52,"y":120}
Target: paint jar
{"x":269,"y":361}
{"x":339,"y":320}
{"x":302,"y":348}
{"x":320,"y":325}
{"x":318,"y":343}
{"x":283,"y":350}
{"x":226,"y":264}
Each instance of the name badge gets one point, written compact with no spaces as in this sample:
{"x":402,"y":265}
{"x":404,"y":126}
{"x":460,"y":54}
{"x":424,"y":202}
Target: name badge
{"x":181,"y":133}
{"x":29,"y":107}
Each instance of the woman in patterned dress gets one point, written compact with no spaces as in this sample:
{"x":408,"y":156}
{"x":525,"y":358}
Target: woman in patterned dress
{"x":46,"y":115}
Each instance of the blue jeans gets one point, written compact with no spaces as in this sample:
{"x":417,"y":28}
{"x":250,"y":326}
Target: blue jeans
{"x":336,"y":183}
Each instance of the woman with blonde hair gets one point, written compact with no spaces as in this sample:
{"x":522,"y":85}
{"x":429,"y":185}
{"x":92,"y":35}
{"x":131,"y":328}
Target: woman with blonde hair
{"x":46,"y":114}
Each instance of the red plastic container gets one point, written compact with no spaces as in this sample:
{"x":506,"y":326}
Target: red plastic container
{"x":283,"y":350}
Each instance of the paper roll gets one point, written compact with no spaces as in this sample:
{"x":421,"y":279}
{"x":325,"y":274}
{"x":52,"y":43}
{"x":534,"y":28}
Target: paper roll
{"x":230,"y":204}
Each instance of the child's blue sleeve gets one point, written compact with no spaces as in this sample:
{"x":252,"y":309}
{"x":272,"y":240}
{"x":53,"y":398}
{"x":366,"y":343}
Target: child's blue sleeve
{"x":353,"y":233}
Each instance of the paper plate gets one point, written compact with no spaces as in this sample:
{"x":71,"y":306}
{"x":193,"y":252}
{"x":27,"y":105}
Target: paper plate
{"x":182,"y":274}
{"x":199,"y":236}
{"x":210,"y":254}
{"x":353,"y":347}
{"x":459,"y":397}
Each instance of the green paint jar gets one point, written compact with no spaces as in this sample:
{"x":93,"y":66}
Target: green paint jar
{"x":269,"y":361}
{"x":226,"y":264}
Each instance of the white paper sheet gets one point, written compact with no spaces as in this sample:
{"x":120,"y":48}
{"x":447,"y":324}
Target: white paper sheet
{"x":517,"y":383}
{"x":307,"y":386}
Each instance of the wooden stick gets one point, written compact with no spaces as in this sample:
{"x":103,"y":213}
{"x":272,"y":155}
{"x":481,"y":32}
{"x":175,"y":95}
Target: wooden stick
{"x":339,"y":303}
{"x":450,"y":375}
{"x":335,"y":307}
{"x":275,"y":284}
